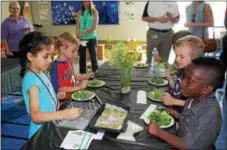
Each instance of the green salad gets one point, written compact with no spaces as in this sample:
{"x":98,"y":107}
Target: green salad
{"x":141,"y":65}
{"x":157,"y":80}
{"x":156,"y":94}
{"x":173,"y":69}
{"x":161,"y":117}
{"x":82,"y":95}
{"x":96,"y":83}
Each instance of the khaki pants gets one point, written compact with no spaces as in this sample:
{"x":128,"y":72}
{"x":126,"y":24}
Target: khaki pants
{"x":162,"y":41}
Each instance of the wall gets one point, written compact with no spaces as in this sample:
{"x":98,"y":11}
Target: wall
{"x":4,"y":10}
{"x":125,"y":30}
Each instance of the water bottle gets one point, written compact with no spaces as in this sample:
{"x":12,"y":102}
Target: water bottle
{"x":153,"y":58}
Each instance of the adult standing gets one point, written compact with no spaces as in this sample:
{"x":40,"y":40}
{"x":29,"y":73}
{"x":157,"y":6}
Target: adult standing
{"x":86,"y":25}
{"x":161,"y":17}
{"x":13,"y":29}
{"x":199,"y":16}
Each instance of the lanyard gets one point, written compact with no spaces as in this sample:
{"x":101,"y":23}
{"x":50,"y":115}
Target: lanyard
{"x":53,"y":101}
{"x":85,"y":20}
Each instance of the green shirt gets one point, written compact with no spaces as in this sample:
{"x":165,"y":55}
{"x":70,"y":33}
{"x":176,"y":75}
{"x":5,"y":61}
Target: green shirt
{"x":86,"y":22}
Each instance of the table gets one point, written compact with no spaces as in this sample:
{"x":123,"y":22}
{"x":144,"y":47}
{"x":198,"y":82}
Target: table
{"x":50,"y":137}
{"x":10,"y":78}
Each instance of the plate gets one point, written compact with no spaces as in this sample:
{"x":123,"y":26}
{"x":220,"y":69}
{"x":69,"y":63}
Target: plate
{"x":78,"y":96}
{"x":141,"y":65}
{"x":147,"y":121}
{"x":154,"y":99}
{"x":96,"y":83}
{"x":165,"y":82}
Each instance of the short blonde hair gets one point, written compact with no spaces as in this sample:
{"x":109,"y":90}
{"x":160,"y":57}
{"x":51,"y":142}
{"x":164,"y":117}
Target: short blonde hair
{"x":12,"y":3}
{"x":65,"y":37}
{"x":195,"y":43}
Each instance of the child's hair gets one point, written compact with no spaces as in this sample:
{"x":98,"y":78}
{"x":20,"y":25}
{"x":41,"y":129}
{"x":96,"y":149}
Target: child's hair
{"x":65,"y":36}
{"x":214,"y":69}
{"x":32,"y":42}
{"x":194,"y":42}
{"x":180,"y":34}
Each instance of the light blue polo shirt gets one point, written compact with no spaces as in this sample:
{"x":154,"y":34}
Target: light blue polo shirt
{"x":46,"y":102}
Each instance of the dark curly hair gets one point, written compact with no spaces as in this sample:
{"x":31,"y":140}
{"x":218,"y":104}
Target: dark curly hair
{"x":31,"y":42}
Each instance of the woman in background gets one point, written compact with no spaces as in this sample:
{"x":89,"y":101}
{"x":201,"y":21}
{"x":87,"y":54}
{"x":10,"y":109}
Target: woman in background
{"x":86,"y":25}
{"x":199,"y":16}
{"x":13,"y":29}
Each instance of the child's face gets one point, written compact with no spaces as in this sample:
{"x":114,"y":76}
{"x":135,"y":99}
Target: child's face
{"x":183,"y":56}
{"x":42,"y":60}
{"x":194,"y":82}
{"x":70,"y":50}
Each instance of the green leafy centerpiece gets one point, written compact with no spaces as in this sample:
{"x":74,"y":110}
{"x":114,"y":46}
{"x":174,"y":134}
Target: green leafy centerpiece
{"x":122,"y":58}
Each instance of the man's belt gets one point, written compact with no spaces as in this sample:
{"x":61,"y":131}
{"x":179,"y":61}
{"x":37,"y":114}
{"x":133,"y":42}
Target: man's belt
{"x":157,"y":30}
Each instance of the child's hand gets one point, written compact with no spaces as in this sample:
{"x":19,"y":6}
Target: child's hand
{"x":173,"y":112}
{"x":72,"y":113}
{"x":61,"y":95}
{"x":83,"y":84}
{"x":168,"y":99}
{"x":91,"y":75}
{"x":168,"y":74}
{"x":153,"y":128}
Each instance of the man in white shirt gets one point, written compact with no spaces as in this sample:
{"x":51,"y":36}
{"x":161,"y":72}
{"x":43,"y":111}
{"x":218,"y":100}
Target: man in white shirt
{"x":161,"y":17}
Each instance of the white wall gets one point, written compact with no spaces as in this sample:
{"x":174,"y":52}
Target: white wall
{"x":124,"y":30}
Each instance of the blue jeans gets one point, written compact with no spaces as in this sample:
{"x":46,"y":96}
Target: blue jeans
{"x":221,"y":142}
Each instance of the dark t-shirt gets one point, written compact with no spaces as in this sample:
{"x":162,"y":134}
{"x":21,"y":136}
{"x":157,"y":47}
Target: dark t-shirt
{"x":176,"y":91}
{"x":200,"y":125}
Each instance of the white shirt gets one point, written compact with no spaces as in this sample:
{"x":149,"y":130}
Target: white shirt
{"x":157,"y":9}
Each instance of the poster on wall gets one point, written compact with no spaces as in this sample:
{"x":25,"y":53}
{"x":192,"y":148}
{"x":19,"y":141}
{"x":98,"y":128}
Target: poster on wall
{"x":44,"y":11}
{"x":64,"y":12}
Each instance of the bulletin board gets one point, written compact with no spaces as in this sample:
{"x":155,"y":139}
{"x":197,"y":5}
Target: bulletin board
{"x":63,"y":12}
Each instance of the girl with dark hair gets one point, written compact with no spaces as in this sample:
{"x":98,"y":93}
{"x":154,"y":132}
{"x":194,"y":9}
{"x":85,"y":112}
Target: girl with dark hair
{"x":86,"y":24}
{"x":35,"y":51}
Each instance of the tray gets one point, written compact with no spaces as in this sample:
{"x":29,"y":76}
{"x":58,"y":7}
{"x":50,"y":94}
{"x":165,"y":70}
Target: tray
{"x":99,"y":112}
{"x":90,"y":109}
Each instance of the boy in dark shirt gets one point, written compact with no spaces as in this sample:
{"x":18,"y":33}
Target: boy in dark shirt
{"x":200,"y":121}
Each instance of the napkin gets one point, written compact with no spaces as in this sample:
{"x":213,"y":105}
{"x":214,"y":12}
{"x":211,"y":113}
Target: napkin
{"x":141,"y":97}
{"x":132,"y":128}
{"x":77,"y":140}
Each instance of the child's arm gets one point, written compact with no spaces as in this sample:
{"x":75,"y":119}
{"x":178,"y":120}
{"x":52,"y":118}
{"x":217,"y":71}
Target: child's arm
{"x":85,"y":77}
{"x":173,"y":140}
{"x":38,"y":116}
{"x":70,"y":89}
{"x":169,"y":100}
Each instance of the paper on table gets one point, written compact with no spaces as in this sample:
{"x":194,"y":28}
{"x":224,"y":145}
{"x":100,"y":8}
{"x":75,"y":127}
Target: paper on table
{"x":141,"y":97}
{"x":77,"y":140}
{"x":98,"y":135}
{"x":149,"y":109}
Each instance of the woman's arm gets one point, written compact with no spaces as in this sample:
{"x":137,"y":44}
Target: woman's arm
{"x":95,"y":24}
{"x":38,"y":116}
{"x":78,"y":24}
{"x":8,"y":51}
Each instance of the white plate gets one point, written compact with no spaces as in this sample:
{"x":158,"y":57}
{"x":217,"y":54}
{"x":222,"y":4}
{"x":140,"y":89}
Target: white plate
{"x":89,"y":98}
{"x":164,"y":80}
{"x":156,"y":100}
{"x":145,"y":65}
{"x":147,"y":121}
{"x":102,"y":83}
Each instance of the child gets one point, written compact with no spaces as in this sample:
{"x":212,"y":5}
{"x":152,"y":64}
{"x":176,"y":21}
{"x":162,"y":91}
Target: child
{"x":39,"y":96}
{"x":200,"y":121}
{"x":62,"y":73}
{"x":186,"y":49}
